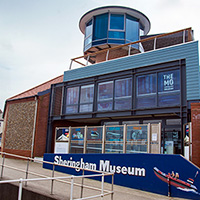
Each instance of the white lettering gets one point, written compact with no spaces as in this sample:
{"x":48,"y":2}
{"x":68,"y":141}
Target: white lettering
{"x":118,"y":169}
{"x":107,"y":167}
{"x":124,"y":170}
{"x":139,"y":172}
{"x":104,"y":166}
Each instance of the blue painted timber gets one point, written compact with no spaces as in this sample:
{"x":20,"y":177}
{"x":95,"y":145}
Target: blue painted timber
{"x":188,"y":51}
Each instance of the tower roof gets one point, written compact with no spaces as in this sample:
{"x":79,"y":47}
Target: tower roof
{"x":115,"y":9}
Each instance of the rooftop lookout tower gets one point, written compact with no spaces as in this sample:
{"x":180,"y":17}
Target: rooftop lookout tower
{"x":110,"y":26}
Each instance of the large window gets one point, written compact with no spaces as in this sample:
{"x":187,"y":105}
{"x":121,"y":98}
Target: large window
{"x":169,"y":88}
{"x":88,"y":35}
{"x":112,"y":28}
{"x":100,"y":26}
{"x":116,"y":29}
{"x":72,"y":100}
{"x":146,"y":91}
{"x":77,"y":138}
{"x":132,"y":138}
{"x":123,"y":94}
{"x":114,"y":139}
{"x":105,"y":96}
{"x":85,"y":104}
{"x":86,"y":100}
{"x":136,"y":139}
{"x":132,"y":29}
{"x":161,"y":89}
{"x":116,"y":21}
{"x":94,"y":139}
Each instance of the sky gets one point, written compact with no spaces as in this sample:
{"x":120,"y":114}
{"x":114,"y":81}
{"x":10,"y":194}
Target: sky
{"x":39,"y":37}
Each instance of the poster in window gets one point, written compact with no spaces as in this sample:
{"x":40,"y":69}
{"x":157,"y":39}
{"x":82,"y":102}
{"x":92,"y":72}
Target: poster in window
{"x":168,"y":80}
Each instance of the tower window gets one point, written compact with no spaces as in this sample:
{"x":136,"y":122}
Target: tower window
{"x":116,"y":22}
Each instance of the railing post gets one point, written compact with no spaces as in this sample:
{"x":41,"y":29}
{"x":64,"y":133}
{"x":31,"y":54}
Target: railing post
{"x":184,"y":36}
{"x":20,"y":189}
{"x":149,"y":138}
{"x":2,"y":166}
{"x":52,"y":179}
{"x":103,"y":138}
{"x":27,"y":171}
{"x":72,"y":187}
{"x":102,"y":186}
{"x":70,"y":66}
{"x":85,"y":140}
{"x":124,"y":138}
{"x":82,"y":182}
{"x":112,"y":187}
{"x":154,"y":46}
{"x":70,"y":137}
{"x":88,"y":59}
{"x":107,"y":54}
{"x":129,"y":50}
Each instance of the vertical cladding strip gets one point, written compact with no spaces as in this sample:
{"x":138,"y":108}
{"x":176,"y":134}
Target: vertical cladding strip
{"x":188,"y":51}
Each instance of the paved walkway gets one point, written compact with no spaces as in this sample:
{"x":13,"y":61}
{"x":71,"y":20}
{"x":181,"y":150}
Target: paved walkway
{"x":61,"y":191}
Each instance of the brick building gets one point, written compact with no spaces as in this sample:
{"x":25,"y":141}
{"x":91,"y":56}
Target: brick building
{"x":26,"y":118}
{"x":195,"y":119}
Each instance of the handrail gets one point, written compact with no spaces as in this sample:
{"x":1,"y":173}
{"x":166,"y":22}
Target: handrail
{"x":131,"y":43}
{"x":103,"y":191}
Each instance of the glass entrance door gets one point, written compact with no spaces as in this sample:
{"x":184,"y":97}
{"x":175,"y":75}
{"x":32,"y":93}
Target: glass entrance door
{"x":171,"y":141}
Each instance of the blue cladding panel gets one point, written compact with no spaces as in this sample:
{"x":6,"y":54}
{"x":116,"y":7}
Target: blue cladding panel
{"x":188,"y":51}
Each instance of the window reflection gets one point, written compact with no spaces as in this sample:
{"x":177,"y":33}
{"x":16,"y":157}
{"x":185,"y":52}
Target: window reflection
{"x":136,"y":139}
{"x":72,"y":100}
{"x":146,"y":84}
{"x":88,"y":35}
{"x":123,"y":93}
{"x":105,"y":96}
{"x":77,"y":137}
{"x":94,"y":140}
{"x":100,"y":26}
{"x":86,"y":99}
{"x":146,"y":91}
{"x":116,"y":21}
{"x":132,"y":29}
{"x":114,"y":139}
{"x":88,"y":29}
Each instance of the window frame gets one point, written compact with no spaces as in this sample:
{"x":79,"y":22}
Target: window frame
{"x":90,"y":35}
{"x":109,"y":22}
{"x":115,"y":98}
{"x":86,"y":103}
{"x":108,"y":99}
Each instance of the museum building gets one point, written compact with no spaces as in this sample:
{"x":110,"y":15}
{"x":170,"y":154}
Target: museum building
{"x":129,"y":93}
{"x":128,"y":81}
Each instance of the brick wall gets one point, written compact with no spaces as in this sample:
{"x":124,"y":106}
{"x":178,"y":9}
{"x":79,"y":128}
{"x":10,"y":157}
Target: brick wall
{"x":18,"y":133}
{"x":41,"y":125}
{"x":19,"y":125}
{"x":195,"y":119}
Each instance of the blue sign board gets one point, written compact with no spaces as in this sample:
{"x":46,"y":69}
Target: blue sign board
{"x":147,"y":172}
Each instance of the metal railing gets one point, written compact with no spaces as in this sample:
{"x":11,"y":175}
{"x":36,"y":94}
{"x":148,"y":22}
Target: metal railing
{"x":187,"y":36}
{"x":103,"y":192}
